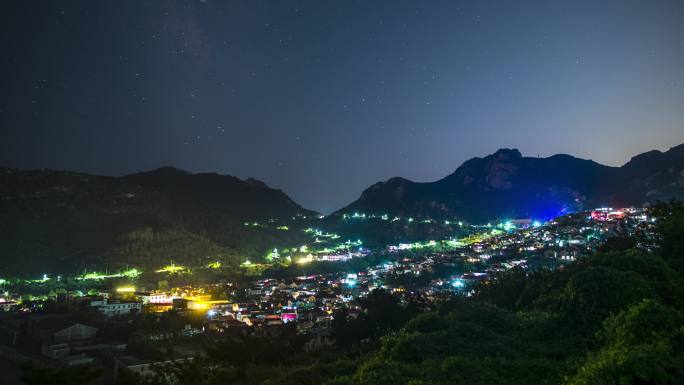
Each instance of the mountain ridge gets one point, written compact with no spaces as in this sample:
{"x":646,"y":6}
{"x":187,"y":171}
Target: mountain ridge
{"x":66,"y":220}
{"x":507,"y":184}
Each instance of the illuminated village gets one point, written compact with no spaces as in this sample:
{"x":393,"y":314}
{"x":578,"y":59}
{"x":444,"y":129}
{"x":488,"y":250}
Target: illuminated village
{"x":43,"y":320}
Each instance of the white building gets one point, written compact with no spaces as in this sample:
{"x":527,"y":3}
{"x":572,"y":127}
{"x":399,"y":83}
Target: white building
{"x":119,"y":308}
{"x":155,"y":298}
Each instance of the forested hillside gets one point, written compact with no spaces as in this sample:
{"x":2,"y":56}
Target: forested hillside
{"x":54,"y":221}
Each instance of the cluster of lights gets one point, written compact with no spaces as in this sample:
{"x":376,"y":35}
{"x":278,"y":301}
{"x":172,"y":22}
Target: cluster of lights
{"x":305,"y":260}
{"x":305,"y":254}
{"x":171,"y":269}
{"x":320,"y":234}
{"x":450,"y":243}
{"x":129,"y":273}
{"x":606,"y":214}
{"x":412,"y":246}
{"x":385,"y":217}
{"x":43,"y":279}
{"x":350,"y":280}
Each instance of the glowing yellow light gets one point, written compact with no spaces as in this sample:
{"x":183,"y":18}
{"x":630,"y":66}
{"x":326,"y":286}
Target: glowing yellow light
{"x":305,"y":260}
{"x":198,"y":305}
{"x":125,"y":289}
{"x":172,"y":268}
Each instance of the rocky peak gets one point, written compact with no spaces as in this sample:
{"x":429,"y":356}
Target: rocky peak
{"x":507,"y":154}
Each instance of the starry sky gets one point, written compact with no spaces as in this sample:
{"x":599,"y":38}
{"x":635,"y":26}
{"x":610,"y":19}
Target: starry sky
{"x":323,"y":98}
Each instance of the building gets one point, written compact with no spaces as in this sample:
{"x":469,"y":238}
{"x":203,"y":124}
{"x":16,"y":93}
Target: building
{"x":153,"y":298}
{"x":7,"y":305}
{"x":119,"y":308}
{"x":59,"y":335}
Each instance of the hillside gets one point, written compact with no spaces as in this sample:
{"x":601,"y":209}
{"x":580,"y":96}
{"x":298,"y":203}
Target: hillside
{"x":64,"y":220}
{"x":508,"y":185}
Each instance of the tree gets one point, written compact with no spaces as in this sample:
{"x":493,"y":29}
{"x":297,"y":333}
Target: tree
{"x":670,"y":227}
{"x":643,"y":345}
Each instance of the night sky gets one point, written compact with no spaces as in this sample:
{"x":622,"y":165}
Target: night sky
{"x":324,"y":98}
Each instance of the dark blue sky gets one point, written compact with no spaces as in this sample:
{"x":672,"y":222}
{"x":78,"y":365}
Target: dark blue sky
{"x":323,"y":98}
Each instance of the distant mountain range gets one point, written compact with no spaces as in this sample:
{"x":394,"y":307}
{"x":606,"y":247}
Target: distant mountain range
{"x":61,"y":221}
{"x":508,"y":185}
{"x":65,"y":220}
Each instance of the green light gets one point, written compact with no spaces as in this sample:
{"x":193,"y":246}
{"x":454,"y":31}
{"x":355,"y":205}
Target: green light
{"x":273,"y":255}
{"x":131,"y":273}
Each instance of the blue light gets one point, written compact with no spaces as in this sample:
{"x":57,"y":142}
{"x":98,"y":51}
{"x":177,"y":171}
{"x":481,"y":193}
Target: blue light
{"x":458,"y":283}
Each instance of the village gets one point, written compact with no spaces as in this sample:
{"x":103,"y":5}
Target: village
{"x":135,"y":327}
